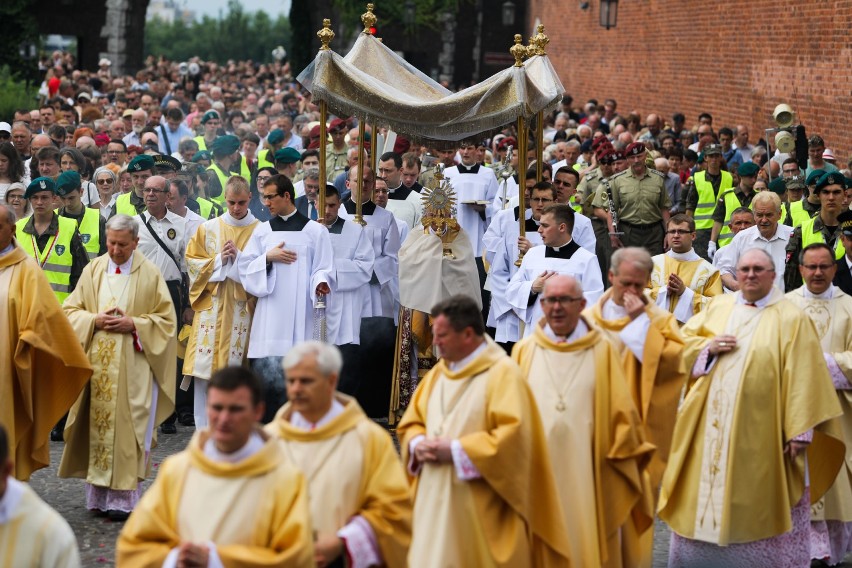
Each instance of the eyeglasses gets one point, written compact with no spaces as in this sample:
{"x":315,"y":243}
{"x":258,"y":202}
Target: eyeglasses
{"x":757,"y":270}
{"x":679,"y":232}
{"x":104,"y":182}
{"x":540,"y":200}
{"x":815,"y":267}
{"x":154,"y":190}
{"x":14,"y":197}
{"x":263,"y":179}
{"x":269,"y":197}
{"x":561,"y":300}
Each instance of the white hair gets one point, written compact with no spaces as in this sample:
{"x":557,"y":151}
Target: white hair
{"x":122,"y":222}
{"x":328,"y":357}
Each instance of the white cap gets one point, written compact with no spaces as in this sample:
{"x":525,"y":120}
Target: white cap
{"x":104,"y":61}
{"x":5,"y":127}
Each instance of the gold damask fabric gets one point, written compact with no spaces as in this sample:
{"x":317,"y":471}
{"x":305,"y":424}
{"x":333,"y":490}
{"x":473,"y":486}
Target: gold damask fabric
{"x":377,"y":85}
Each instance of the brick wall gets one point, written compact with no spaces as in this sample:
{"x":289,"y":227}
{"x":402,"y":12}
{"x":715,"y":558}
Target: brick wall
{"x":734,"y":59}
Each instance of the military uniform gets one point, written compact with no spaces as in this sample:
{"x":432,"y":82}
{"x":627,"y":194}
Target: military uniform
{"x":427,"y":177}
{"x":589,"y":188}
{"x":728,"y":201}
{"x":335,"y":161}
{"x":814,"y":231}
{"x":639,"y":202}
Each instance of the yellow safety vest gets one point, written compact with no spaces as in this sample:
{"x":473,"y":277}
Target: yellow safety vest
{"x":202,"y":145}
{"x":263,"y":160}
{"x":206,"y":208}
{"x":56,"y":259}
{"x":223,"y":181}
{"x":703,"y":214}
{"x":90,"y":232}
{"x":123,"y":205}
{"x":245,"y":172}
{"x":798,"y":213}
{"x":809,"y":237}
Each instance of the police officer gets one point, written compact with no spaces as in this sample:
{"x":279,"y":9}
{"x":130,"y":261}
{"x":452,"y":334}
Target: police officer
{"x":91,"y":225}
{"x":641,"y":202}
{"x":729,"y":200}
{"x":823,"y":228}
{"x":132,"y":203}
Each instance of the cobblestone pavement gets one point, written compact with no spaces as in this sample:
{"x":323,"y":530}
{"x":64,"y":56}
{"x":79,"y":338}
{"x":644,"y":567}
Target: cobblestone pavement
{"x":96,"y":536}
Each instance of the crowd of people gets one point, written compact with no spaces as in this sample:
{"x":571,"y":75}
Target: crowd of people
{"x":655,"y":320}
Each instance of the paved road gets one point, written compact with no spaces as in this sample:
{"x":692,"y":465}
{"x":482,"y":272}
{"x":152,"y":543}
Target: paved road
{"x":96,"y":536}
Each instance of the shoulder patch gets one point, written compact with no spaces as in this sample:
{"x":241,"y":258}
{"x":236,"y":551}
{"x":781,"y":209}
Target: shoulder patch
{"x":619,"y":174}
{"x":658,"y":172}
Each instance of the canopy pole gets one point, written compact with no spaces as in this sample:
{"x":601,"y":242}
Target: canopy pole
{"x":323,"y":109}
{"x":522,"y":161}
{"x":539,"y":146}
{"x":358,"y":205}
{"x":374,"y":147}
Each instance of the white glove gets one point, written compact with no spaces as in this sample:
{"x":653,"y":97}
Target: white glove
{"x":711,"y":249}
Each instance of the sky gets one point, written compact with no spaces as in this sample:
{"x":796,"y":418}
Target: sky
{"x":212,"y":7}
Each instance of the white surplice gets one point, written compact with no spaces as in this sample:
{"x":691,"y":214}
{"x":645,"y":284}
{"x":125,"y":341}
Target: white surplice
{"x":350,"y":293}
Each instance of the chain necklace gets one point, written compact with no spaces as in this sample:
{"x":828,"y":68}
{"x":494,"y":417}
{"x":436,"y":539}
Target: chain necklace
{"x":560,"y":404}
{"x":113,"y":301}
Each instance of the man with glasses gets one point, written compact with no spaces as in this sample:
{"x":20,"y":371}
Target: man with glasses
{"x":682,"y":282}
{"x":754,"y":441}
{"x":559,"y":255}
{"x":767,"y":234}
{"x":606,"y":518}
{"x":257,"y":204}
{"x":116,"y":152}
{"x":133,"y":202}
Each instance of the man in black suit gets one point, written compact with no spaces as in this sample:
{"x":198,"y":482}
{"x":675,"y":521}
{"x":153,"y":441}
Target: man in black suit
{"x":843,"y":276}
{"x":306,"y":204}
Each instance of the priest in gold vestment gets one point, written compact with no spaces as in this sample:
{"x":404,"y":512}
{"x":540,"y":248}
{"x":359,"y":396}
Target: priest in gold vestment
{"x":755,"y":441}
{"x":682,"y":282}
{"x":651,"y":348}
{"x":223,"y":309}
{"x":473,"y":442}
{"x":42,"y":366}
{"x":360,"y":503}
{"x":123,"y":315}
{"x":830,"y":309}
{"x":232,"y":498}
{"x":593,"y":430}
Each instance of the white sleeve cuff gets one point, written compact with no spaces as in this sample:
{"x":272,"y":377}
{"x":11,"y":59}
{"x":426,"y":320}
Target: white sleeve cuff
{"x":634,"y":333}
{"x":359,"y":539}
{"x":213,"y":560}
{"x":220,"y":270}
{"x":414,"y":466}
{"x":465,"y":470}
{"x":704,"y":363}
{"x":683,"y":310}
{"x":172,"y":559}
{"x":837,"y":377}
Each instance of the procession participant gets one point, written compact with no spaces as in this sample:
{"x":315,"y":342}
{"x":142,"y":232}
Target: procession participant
{"x":650,"y":345}
{"x":741,"y":218}
{"x":286,"y":264}
{"x":220,"y":329}
{"x":682,"y":282}
{"x":211,"y":121}
{"x":843,"y":274}
{"x":336,"y":150}
{"x":594,"y":434}
{"x":53,"y":241}
{"x":558,"y":255}
{"x":41,"y":349}
{"x":243,"y":467}
{"x":747,"y":410}
{"x":403,"y":202}
{"x":91,"y":225}
{"x":473,"y":442}
{"x":730,"y":200}
{"x":830,"y":309}
{"x":705,"y":194}
{"x":31,"y":532}
{"x":360,"y":503}
{"x":124,"y":318}
{"x":133,"y":202}
{"x":225,"y":152}
{"x":380,"y":198}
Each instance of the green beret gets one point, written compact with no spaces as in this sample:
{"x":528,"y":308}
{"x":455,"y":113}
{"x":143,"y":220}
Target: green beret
{"x":208,"y":115}
{"x":40,"y":184}
{"x":748,"y":169}
{"x":276,"y":136}
{"x":202,"y":155}
{"x":225,"y":145}
{"x":778,"y":186}
{"x":140,"y":163}
{"x":831,"y":178}
{"x":67,"y":182}
{"x":287,"y":156}
{"x":814,"y":176}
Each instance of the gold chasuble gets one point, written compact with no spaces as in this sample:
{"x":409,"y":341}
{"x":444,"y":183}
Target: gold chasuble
{"x":728,"y":479}
{"x":255,"y":511}
{"x":833,"y":321}
{"x":509,"y":517}
{"x":701,"y":278}
{"x":106,"y":428}
{"x":42,"y":366}
{"x":223,"y":310}
{"x":352,"y":469}
{"x":596,"y":443}
{"x":656,"y":382}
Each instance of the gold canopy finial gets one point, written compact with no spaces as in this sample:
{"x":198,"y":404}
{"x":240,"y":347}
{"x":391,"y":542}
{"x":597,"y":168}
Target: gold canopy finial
{"x":518,"y":51}
{"x":325,"y":35}
{"x":368,"y":18}
{"x":540,"y":40}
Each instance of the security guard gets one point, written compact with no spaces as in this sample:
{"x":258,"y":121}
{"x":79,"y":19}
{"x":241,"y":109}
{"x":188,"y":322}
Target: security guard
{"x":286,"y":161}
{"x":203,"y":158}
{"x":90,"y":223}
{"x":196,"y":203}
{"x":641,"y":202}
{"x":211,"y":121}
{"x":811,"y":202}
{"x":706,"y":188}
{"x":831,"y":190}
{"x":795,"y":204}
{"x":729,"y":200}
{"x":132,"y":203}
{"x":224,"y":151}
{"x":274,"y":142}
{"x":53,"y":241}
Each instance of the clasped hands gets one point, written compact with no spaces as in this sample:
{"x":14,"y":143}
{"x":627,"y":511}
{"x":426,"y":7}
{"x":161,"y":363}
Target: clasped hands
{"x":114,"y":320}
{"x":433,"y":450}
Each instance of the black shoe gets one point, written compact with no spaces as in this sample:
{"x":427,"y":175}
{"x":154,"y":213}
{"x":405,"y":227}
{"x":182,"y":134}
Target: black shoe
{"x":186,"y":418}
{"x":118,"y":516}
{"x":167,"y":428}
{"x":57,"y":435}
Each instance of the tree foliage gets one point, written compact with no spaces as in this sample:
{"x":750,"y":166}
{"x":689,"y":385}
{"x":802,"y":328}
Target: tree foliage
{"x":235,"y":35}
{"x":19,"y":29}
